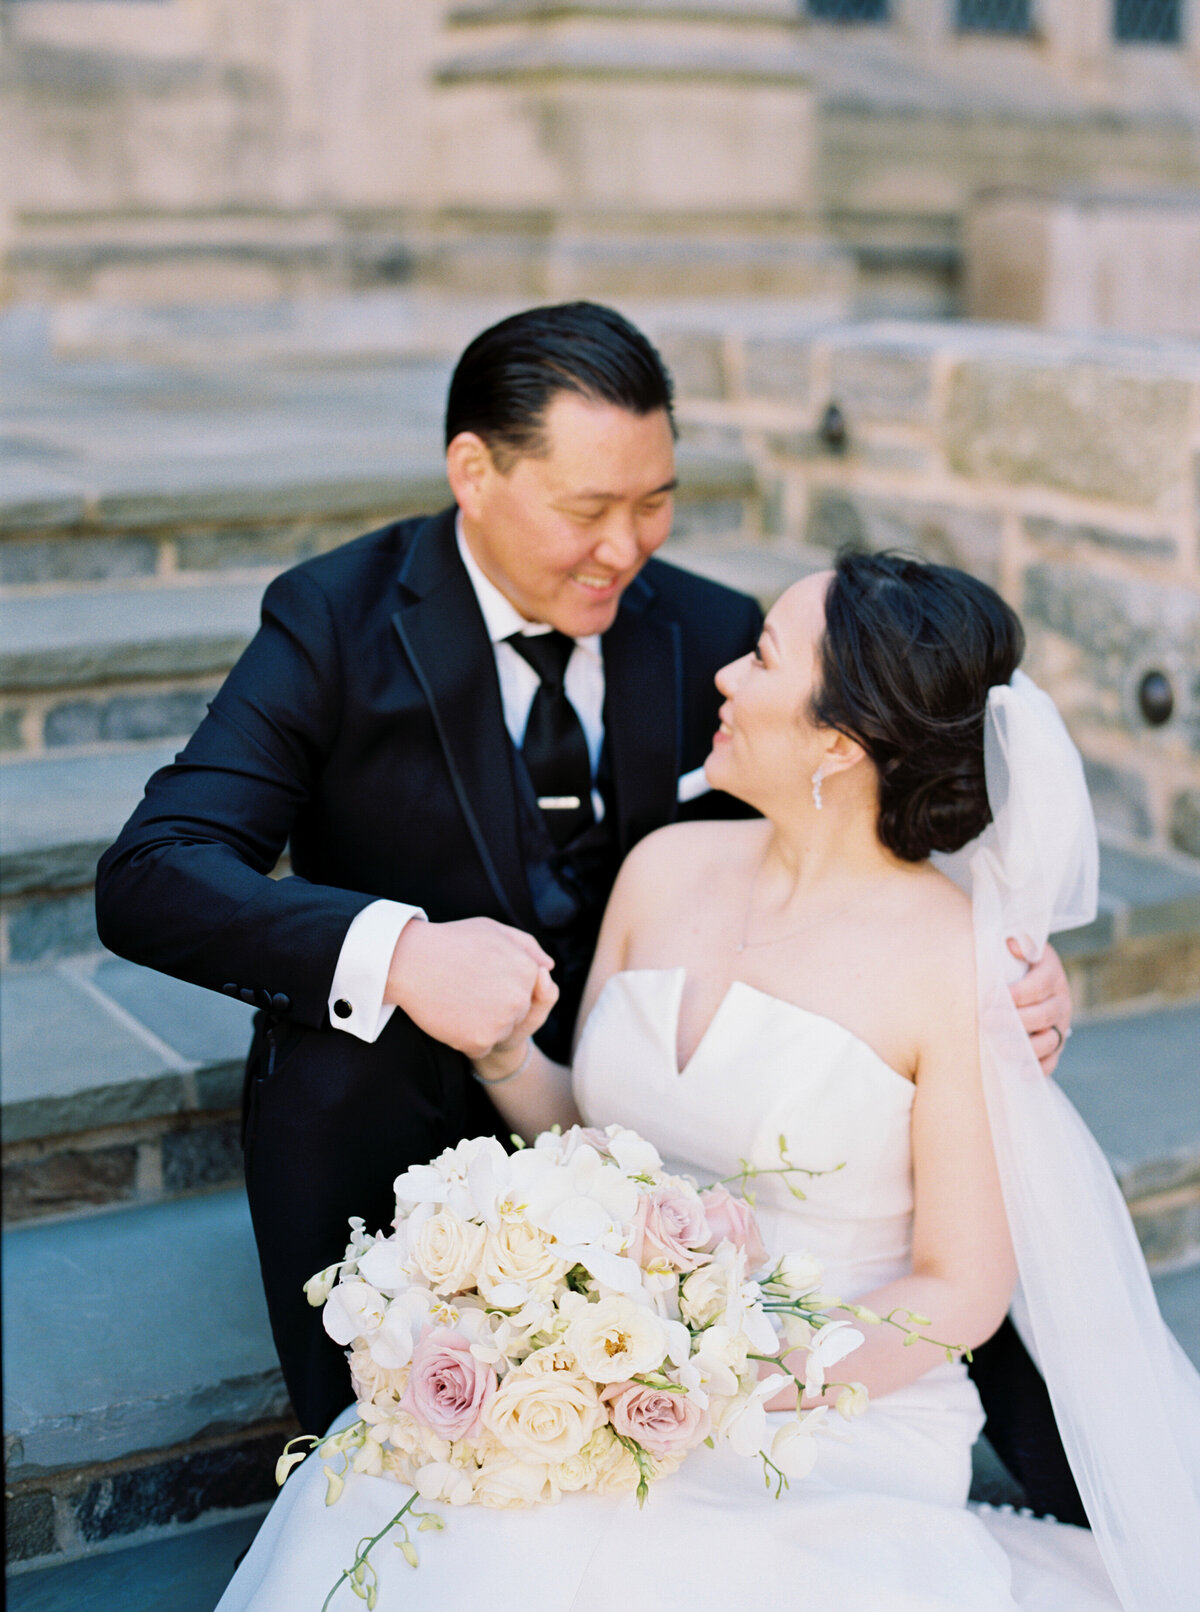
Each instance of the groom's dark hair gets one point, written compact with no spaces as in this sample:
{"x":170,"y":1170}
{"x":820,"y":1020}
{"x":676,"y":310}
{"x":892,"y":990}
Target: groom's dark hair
{"x":509,"y":375}
{"x":909,"y":653}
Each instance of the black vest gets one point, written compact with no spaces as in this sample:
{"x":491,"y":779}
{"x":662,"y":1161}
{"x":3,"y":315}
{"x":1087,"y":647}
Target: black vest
{"x":569,"y":887}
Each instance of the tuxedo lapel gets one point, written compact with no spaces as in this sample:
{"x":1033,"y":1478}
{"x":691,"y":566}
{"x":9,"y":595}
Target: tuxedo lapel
{"x":442,"y":631}
{"x":642,"y":715}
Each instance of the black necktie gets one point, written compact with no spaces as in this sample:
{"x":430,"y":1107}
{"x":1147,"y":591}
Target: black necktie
{"x":555,"y":748}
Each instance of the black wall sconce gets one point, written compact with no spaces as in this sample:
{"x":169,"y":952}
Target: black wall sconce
{"x":1156,"y":698}
{"x":832,"y":429}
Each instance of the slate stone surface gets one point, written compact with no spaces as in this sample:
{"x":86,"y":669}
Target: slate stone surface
{"x":59,"y":813}
{"x":945,"y":533}
{"x":134,"y":1330}
{"x":72,"y":1063}
{"x":59,"y":925}
{"x":64,"y":1058}
{"x":66,"y":1183}
{"x":122,"y":718}
{"x":73,"y":639}
{"x":1136,"y":1081}
{"x":187,"y":1573}
{"x":201,"y":1025}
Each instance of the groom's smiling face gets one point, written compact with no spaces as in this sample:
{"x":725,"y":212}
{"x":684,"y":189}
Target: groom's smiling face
{"x":563,"y":532}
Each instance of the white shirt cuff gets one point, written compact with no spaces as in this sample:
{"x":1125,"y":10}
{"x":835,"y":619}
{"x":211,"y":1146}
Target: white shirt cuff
{"x":356,"y":1002}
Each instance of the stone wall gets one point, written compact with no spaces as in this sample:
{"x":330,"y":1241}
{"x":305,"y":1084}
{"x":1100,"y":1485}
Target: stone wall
{"x":1066,"y":472}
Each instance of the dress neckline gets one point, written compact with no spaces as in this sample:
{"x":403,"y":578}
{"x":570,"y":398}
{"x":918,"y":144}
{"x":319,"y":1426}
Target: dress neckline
{"x":679,"y":973}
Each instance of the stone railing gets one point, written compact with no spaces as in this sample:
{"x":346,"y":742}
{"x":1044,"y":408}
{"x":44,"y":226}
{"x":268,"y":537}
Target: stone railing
{"x":1065,"y":471}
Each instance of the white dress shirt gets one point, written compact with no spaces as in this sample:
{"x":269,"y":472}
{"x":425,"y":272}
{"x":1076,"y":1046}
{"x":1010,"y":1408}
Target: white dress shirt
{"x":360,"y":978}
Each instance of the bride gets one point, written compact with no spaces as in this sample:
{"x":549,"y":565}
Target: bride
{"x":811,"y":973}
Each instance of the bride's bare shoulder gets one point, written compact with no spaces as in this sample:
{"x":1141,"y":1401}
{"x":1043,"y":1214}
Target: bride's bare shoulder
{"x":683,"y":854}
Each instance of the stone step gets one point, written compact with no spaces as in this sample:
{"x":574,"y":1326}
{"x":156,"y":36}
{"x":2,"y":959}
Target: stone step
{"x":187,"y":1572}
{"x":106,"y":1442}
{"x":1135,"y":1078}
{"x":120,"y":1086}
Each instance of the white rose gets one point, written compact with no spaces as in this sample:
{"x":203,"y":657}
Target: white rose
{"x":797,"y":1272}
{"x":516,"y":1252}
{"x":704,"y":1294}
{"x":446,"y":1250}
{"x":544,"y":1412}
{"x":508,"y":1483}
{"x":381,"y":1385}
{"x":615,"y":1338}
{"x":613,"y":1469}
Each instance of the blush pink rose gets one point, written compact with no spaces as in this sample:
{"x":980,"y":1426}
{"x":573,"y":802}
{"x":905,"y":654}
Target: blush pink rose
{"x":448,"y":1389}
{"x":663,"y":1424}
{"x":670,"y":1224}
{"x":732,"y":1220}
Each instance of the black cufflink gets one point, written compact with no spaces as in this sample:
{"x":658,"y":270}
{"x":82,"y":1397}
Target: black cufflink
{"x":342,"y":1008}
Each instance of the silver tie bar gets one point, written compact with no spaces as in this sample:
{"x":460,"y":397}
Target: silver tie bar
{"x":559,"y":803}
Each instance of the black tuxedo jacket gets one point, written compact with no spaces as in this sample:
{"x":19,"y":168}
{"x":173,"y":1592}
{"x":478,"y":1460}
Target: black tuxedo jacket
{"x":364,"y":724}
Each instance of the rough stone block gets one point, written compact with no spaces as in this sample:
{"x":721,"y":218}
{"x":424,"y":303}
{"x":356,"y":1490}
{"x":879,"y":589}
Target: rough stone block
{"x":1120,"y":799}
{"x":779,"y":371}
{"x":58,"y":926}
{"x":29,"y":1526}
{"x":244,"y":547}
{"x":11,"y":737}
{"x":876,"y":383}
{"x":120,"y":717}
{"x":177,"y":1490}
{"x":1073,"y":536}
{"x":1122,"y":629}
{"x":1084,"y":428}
{"x":947,"y":533}
{"x":78,"y":559}
{"x":1185,"y":821}
{"x":204,"y":1155}
{"x":695,"y":363}
{"x":710,"y":517}
{"x":64,"y":1183}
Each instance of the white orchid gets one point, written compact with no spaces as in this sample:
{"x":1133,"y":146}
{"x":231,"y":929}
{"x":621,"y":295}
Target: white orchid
{"x":393,"y":1341}
{"x":831,"y":1343}
{"x":794,"y":1447}
{"x":852,"y":1401}
{"x":743,"y":1421}
{"x":439,"y":1480}
{"x":719,"y":1359}
{"x":354,"y":1309}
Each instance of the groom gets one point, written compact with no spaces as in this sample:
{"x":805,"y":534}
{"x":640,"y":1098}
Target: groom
{"x":461,"y":724}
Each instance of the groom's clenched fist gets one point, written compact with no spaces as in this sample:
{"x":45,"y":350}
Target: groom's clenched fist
{"x":469,"y":983}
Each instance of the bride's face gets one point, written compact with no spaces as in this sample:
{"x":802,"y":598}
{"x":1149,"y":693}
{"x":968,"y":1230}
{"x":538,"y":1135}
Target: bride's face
{"x":767,"y":747}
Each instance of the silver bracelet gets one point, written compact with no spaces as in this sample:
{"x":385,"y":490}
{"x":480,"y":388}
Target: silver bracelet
{"x":512,"y":1073}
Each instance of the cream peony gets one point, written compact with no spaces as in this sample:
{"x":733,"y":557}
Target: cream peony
{"x":704,"y":1294}
{"x":615,"y":1338}
{"x":446,"y":1249}
{"x":544,"y":1411}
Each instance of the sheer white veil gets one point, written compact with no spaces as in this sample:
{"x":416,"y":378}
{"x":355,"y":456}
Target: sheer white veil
{"x":1126,"y":1398}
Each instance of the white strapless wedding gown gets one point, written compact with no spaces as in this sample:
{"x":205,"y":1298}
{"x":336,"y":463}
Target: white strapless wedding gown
{"x":883,"y":1519}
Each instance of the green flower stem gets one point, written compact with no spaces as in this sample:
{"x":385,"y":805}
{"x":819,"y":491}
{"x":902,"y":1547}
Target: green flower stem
{"x":362,"y":1554}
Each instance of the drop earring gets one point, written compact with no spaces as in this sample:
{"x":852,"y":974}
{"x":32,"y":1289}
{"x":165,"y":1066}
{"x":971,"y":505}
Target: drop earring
{"x":817,"y":779}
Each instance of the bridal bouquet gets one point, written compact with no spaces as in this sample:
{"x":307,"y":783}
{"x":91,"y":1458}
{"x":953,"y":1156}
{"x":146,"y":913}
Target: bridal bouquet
{"x":566,"y":1317}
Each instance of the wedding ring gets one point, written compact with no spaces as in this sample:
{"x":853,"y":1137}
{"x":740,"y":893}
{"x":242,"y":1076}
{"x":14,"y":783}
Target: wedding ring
{"x":1061,"y":1038}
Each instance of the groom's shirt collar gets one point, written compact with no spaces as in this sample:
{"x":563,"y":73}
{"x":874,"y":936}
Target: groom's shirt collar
{"x":500,"y":616}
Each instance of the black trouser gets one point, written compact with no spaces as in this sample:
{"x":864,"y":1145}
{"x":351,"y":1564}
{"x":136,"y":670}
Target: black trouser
{"x":1021,"y":1426}
{"x":330,"y":1121}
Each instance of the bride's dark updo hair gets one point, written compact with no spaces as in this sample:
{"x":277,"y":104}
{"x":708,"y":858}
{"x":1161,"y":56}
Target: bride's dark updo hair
{"x":909,"y":653}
